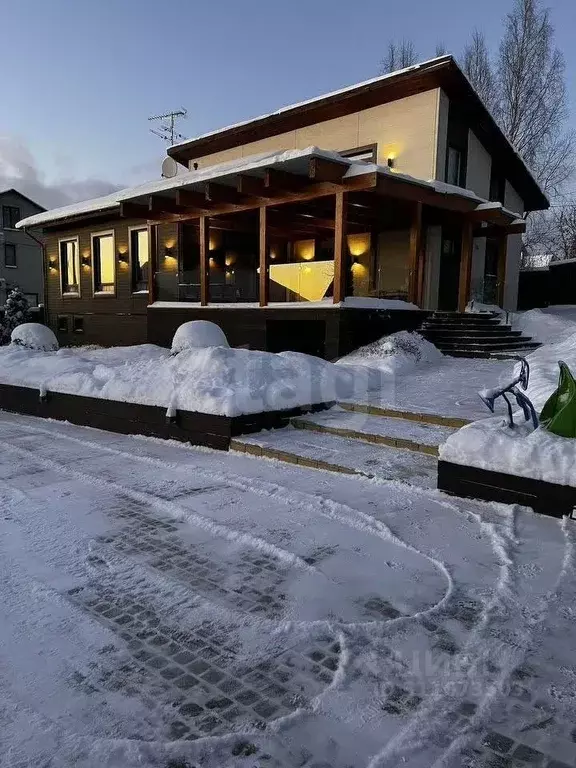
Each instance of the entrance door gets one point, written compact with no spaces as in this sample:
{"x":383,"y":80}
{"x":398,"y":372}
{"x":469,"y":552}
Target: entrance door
{"x":449,"y":272}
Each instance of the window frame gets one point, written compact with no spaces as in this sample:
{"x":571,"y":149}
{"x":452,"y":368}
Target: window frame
{"x":13,"y":246}
{"x":18,"y":216}
{"x":70,"y":294}
{"x":353,"y":152}
{"x":137,"y":228}
{"x":93,"y":236}
{"x":455,"y":149}
{"x":61,"y":321}
{"x":77,"y":327}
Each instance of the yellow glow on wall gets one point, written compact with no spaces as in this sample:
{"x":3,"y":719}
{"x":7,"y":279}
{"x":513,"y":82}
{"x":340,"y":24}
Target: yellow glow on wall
{"x":170,"y":243}
{"x":273,"y":253}
{"x":215,"y":240}
{"x":304,"y":249}
{"x":230,"y":258}
{"x":359,"y":244}
{"x":390,"y":152}
{"x":310,"y":281}
{"x":358,"y":269}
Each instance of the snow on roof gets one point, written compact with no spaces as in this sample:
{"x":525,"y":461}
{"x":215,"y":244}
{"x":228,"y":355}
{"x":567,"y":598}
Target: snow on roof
{"x":294,"y":159}
{"x":340,"y":91}
{"x":253,"y":163}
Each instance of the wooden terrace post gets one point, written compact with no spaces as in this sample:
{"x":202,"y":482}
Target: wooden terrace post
{"x":152,"y":261}
{"x":340,"y":246}
{"x":415,"y":253}
{"x":465,"y":265}
{"x":204,"y":260}
{"x":264,"y":258}
{"x":502,"y":258}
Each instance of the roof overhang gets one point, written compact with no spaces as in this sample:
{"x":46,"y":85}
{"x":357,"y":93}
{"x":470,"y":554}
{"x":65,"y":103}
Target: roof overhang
{"x":442,"y":72}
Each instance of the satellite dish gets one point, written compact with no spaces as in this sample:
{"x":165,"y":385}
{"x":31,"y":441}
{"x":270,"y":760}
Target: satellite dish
{"x":169,"y":168}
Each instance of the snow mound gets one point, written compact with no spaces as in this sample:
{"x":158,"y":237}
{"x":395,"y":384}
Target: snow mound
{"x":399,"y":352}
{"x":198,"y":334}
{"x":216,"y":379}
{"x":34,"y":336}
{"x":544,"y":326}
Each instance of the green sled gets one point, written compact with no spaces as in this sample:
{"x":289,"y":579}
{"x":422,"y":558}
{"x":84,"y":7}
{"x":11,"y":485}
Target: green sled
{"x":559,"y":412}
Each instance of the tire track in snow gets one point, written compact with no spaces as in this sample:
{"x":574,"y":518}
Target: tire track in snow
{"x":314,"y":503}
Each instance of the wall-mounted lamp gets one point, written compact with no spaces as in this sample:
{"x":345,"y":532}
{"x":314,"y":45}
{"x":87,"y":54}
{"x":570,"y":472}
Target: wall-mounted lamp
{"x":53,"y":265}
{"x":169,"y":252}
{"x":390,"y":162}
{"x":123,"y":257}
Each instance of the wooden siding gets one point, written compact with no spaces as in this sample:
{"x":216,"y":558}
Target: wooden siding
{"x":118,"y":319}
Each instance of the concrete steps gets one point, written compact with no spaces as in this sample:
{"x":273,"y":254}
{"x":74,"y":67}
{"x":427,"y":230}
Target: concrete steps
{"x":463,"y":334}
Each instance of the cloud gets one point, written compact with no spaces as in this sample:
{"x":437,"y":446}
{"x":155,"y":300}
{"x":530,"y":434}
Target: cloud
{"x":19,"y":169}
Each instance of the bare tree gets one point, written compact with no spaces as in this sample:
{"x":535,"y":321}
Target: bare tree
{"x":532,"y":94}
{"x":440,"y":49}
{"x":399,"y":56}
{"x":564,"y":232}
{"x":477,"y":66}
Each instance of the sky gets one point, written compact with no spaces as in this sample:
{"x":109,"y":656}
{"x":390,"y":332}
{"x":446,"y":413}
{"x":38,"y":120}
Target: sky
{"x":81,"y":77}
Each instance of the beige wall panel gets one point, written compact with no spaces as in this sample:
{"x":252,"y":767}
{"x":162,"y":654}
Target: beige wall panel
{"x":405,"y":130}
{"x":338,"y":134}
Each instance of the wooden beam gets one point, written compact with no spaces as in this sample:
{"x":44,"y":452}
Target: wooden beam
{"x":134,"y":211}
{"x":281,"y":181}
{"x":494,"y":215}
{"x":415,"y":252}
{"x":159,"y":205}
{"x":340,"y":247}
{"x":322,"y":169}
{"x":152,"y":261}
{"x":264,"y":260}
{"x":251,"y":185}
{"x":192,"y":199}
{"x":465,"y":265}
{"x":502,"y":260}
{"x":204,"y":260}
{"x":517,"y":228}
{"x":399,"y":189}
{"x":220,"y":193}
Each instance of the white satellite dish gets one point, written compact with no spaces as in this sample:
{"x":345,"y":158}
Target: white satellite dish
{"x":169,"y":168}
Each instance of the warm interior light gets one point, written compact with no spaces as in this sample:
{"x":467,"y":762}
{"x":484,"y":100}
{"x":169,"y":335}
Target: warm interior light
{"x":215,"y":240}
{"x":230,"y":258}
{"x":170,"y":244}
{"x":359,"y":244}
{"x":304,"y":249}
{"x":273,"y":253}
{"x":309,"y":281}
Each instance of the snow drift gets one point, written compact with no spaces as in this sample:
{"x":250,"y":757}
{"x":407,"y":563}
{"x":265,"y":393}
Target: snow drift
{"x":491,"y":444}
{"x":198,"y":334}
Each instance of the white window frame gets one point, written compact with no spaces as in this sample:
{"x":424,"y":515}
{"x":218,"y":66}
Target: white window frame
{"x":93,"y":236}
{"x":137,"y":228}
{"x":73,"y":294}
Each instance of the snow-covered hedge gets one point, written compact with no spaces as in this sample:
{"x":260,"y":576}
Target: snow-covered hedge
{"x":34,"y":336}
{"x":397,"y":353}
{"x":198,"y":334}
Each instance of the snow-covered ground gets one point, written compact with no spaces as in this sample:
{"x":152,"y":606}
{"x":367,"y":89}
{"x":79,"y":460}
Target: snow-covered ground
{"x":173,"y":607}
{"x":537,"y":453}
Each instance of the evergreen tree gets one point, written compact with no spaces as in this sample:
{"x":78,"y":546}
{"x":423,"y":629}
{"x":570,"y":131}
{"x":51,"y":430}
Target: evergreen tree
{"x":16,"y":312}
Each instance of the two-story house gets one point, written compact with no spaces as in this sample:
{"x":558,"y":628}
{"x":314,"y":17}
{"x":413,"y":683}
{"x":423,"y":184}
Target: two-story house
{"x":20,"y":253}
{"x":401,"y":188}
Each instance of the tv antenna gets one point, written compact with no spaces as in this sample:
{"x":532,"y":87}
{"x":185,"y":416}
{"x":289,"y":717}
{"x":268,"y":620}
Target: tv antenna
{"x":167,"y":128}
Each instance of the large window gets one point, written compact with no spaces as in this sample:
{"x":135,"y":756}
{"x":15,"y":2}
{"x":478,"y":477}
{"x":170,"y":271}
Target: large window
{"x":454,"y":167}
{"x":10,"y":216}
{"x":365,"y":154}
{"x":70,"y":267}
{"x":103,"y":263}
{"x":10,"y":255}
{"x":139,"y":259}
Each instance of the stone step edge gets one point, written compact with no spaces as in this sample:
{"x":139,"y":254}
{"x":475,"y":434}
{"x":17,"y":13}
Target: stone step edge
{"x":293,"y":458}
{"x":428,"y":418}
{"x":367,"y":437}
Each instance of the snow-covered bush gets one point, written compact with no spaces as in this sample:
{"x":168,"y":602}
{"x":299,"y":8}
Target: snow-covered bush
{"x":16,"y":312}
{"x":34,"y":336}
{"x":198,"y":334}
{"x":397,"y":352}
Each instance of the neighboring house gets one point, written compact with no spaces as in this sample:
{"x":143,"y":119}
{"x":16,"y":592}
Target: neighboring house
{"x":20,"y":254}
{"x":402,"y":187}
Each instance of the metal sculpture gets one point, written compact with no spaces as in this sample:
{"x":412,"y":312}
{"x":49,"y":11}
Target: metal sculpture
{"x":489,"y":396}
{"x":559,"y":412}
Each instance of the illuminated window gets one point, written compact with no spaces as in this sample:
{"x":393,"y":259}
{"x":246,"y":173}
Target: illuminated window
{"x":139,"y":259}
{"x":70,"y":267}
{"x":103,"y":263}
